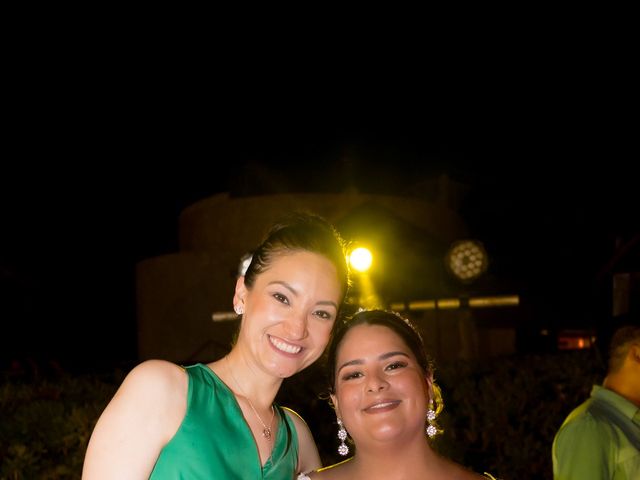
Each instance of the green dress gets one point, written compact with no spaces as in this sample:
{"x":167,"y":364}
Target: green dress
{"x":215,"y":442}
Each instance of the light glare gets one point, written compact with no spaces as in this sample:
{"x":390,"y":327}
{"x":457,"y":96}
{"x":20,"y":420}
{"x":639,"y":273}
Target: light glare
{"x":361,"y":259}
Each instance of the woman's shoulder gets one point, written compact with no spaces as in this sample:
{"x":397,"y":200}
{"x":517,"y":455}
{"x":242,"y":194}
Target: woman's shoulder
{"x":157,"y":377}
{"x":460,"y":472}
{"x":156,"y":370}
{"x":301,"y":426}
{"x":308,"y":456}
{"x":331,"y":472}
{"x":334,"y":472}
{"x":315,"y":475}
{"x":294,"y":416}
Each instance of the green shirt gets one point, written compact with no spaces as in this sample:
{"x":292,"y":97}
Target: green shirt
{"x":599,"y":440}
{"x":215,"y":442}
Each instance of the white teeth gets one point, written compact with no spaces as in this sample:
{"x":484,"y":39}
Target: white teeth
{"x":285,"y":347}
{"x":381,"y":405}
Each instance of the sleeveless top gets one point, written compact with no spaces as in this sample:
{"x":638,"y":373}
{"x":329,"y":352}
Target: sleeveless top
{"x":304,"y":476}
{"x":215,"y":442}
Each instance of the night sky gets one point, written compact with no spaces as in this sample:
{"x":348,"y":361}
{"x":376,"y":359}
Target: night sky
{"x":87,"y":194}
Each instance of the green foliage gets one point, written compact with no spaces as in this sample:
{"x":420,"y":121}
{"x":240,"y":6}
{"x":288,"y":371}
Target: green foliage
{"x":47,"y":423}
{"x":500,"y":414}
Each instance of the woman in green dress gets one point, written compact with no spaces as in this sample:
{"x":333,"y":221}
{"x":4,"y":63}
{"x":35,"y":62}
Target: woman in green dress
{"x":219,"y":420}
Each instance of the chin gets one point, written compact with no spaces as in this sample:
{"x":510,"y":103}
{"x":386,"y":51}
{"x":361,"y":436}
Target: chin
{"x":388,"y":435}
{"x":281,"y":372}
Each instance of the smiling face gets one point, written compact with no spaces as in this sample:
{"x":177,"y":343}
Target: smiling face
{"x":289,"y":312}
{"x":381,"y":392}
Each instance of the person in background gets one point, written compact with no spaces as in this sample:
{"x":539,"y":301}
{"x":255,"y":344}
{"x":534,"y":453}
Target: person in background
{"x":600,"y":439}
{"x":385,"y":398}
{"x":219,"y":420}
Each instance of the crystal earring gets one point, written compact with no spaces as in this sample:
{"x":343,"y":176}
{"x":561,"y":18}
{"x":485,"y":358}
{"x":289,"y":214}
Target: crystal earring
{"x":238,"y":309}
{"x":343,"y":449}
{"x":431,"y":416}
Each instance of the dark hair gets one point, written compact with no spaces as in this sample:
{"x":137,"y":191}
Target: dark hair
{"x":300,"y":231}
{"x":621,"y":340}
{"x":401,"y":326}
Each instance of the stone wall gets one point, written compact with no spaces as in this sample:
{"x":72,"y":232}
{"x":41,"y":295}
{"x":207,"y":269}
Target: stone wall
{"x":178,"y":293}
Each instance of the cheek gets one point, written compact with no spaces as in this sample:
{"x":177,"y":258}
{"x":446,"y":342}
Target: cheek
{"x":417,"y":390}
{"x":348,"y":400}
{"x":320,"y":331}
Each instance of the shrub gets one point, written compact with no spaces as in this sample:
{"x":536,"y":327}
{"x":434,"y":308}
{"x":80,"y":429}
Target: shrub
{"x":500,"y":414}
{"x":47,"y":423}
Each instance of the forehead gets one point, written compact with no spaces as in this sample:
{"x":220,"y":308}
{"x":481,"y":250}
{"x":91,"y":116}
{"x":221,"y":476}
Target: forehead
{"x":364,"y":340}
{"x":287,"y":259}
{"x":305,"y":270}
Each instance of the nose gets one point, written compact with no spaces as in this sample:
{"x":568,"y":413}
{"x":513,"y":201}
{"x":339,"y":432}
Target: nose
{"x":376,"y":383}
{"x":295,"y":326}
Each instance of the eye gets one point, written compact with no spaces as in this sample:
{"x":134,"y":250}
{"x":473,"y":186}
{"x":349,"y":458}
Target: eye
{"x":351,"y":375}
{"x":396,"y":365}
{"x":281,"y":298}
{"x":323,"y":314}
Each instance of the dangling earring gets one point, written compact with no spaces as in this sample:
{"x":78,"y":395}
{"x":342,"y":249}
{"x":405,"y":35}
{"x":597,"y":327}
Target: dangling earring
{"x":238,"y":309}
{"x":343,"y":449}
{"x":431,"y":416}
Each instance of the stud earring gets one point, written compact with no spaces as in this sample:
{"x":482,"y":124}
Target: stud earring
{"x":238,"y":309}
{"x":431,"y":416}
{"x":343,"y":449}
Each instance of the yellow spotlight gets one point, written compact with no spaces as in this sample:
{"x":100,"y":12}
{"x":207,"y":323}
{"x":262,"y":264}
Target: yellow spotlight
{"x":360,"y":259}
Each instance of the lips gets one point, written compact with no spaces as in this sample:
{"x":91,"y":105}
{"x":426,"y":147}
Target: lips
{"x":381,"y":406}
{"x":285,"y":347}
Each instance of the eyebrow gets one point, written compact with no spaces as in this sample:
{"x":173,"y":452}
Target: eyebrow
{"x":359,"y":361}
{"x":296,"y":293}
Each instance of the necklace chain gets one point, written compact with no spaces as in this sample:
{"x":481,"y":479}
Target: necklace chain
{"x":266,"y":432}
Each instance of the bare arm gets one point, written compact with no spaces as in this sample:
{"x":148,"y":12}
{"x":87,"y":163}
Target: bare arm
{"x":308,"y":456}
{"x":143,"y":415}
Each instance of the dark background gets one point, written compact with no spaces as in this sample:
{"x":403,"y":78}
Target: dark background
{"x":94,"y":178}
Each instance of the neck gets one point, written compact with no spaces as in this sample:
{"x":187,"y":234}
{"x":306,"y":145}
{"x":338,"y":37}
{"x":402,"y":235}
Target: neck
{"x":624,"y":384}
{"x":249,"y":381}
{"x":404,"y":461}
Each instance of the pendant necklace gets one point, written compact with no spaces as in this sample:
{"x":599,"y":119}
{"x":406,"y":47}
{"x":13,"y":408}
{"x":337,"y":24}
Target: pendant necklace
{"x":266,"y":429}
